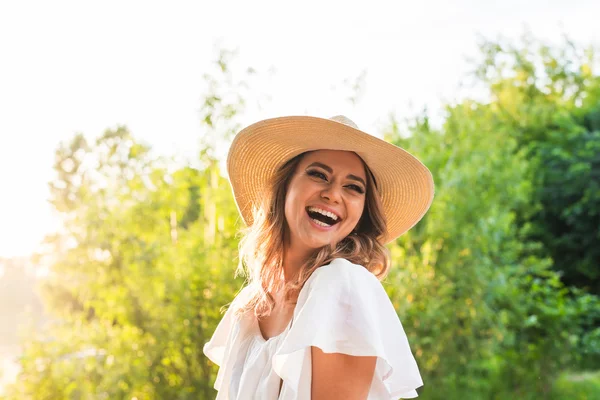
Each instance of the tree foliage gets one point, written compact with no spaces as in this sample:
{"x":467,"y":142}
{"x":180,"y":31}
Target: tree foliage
{"x":146,"y":261}
{"x":487,"y":297}
{"x":483,"y":284}
{"x":549,"y":99}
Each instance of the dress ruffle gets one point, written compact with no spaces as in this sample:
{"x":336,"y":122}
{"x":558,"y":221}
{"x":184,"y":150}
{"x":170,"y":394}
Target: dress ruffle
{"x":222,"y":349}
{"x":342,"y":308}
{"x":346,"y":310}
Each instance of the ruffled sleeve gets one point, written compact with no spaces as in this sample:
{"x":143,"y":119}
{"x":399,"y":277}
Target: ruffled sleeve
{"x":214,"y":349}
{"x":343,"y":308}
{"x":224,"y":343}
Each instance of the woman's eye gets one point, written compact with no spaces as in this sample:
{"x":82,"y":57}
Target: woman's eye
{"x":356,"y":188}
{"x":317,"y":174}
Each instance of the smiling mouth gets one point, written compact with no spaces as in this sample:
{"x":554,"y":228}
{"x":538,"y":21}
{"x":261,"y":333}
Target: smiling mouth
{"x":321,"y":219}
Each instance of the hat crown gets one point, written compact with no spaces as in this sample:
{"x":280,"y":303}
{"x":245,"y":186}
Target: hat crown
{"x":344,"y":120}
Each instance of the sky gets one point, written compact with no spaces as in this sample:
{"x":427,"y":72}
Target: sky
{"x":78,"y":66}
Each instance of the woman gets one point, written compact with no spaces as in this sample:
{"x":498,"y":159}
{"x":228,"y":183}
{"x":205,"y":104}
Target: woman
{"x":320,"y":199}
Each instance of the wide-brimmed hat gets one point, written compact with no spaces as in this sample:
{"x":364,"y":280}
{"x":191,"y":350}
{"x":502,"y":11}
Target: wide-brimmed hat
{"x":256,"y":153}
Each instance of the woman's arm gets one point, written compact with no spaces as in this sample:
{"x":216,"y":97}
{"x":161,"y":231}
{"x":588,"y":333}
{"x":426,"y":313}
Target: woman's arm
{"x":340,"y":376}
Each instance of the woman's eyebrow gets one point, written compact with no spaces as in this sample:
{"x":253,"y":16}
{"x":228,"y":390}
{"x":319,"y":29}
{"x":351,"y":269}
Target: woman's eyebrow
{"x":318,"y":164}
{"x":357,"y":178}
{"x":330,"y":170}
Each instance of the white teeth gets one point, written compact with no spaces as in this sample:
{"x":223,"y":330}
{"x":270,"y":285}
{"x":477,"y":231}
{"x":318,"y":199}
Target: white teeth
{"x":323,"y":212}
{"x":320,"y":223}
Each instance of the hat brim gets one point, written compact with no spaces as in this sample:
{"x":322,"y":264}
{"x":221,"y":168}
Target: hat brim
{"x":405,"y":184}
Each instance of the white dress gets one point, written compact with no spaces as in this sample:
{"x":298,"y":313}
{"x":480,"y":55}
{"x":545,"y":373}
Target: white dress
{"x":342,"y":308}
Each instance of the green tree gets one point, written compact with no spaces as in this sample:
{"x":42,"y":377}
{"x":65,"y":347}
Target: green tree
{"x":146,"y":259}
{"x":149,"y":247}
{"x":549,"y":97}
{"x":475,"y":285}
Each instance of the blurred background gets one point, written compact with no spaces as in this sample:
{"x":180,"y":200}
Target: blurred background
{"x":118,"y":228}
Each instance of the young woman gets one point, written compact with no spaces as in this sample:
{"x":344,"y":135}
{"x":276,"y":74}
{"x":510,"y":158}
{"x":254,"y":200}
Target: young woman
{"x":320,"y":199}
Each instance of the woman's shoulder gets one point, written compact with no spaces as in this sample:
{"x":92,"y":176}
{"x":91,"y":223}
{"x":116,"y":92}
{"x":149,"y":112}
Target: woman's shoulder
{"x":342,"y":280}
{"x":241,"y":299}
{"x":343,"y":273}
{"x":342,"y":265}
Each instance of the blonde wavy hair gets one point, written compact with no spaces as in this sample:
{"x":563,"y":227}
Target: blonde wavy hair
{"x":262,"y":244}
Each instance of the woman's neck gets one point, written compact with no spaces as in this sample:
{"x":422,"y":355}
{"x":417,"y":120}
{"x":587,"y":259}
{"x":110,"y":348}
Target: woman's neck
{"x":293,"y":259}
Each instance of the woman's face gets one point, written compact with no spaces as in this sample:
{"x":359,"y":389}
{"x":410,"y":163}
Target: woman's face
{"x":325,"y":199}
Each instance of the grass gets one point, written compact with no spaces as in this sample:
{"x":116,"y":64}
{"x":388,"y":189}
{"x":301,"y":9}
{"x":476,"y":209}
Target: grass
{"x":577,"y":386}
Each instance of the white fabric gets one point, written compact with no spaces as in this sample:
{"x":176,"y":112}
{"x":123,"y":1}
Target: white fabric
{"x":342,"y":308}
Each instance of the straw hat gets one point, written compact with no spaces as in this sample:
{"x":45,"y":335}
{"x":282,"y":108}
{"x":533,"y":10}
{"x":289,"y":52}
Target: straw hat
{"x":405,"y":184}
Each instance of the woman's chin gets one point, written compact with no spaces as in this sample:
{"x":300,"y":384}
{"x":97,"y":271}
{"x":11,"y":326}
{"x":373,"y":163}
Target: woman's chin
{"x":319,"y":244}
{"x":316,"y":239}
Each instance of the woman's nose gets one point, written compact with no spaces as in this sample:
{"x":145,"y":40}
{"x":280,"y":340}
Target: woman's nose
{"x":332,"y":193}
